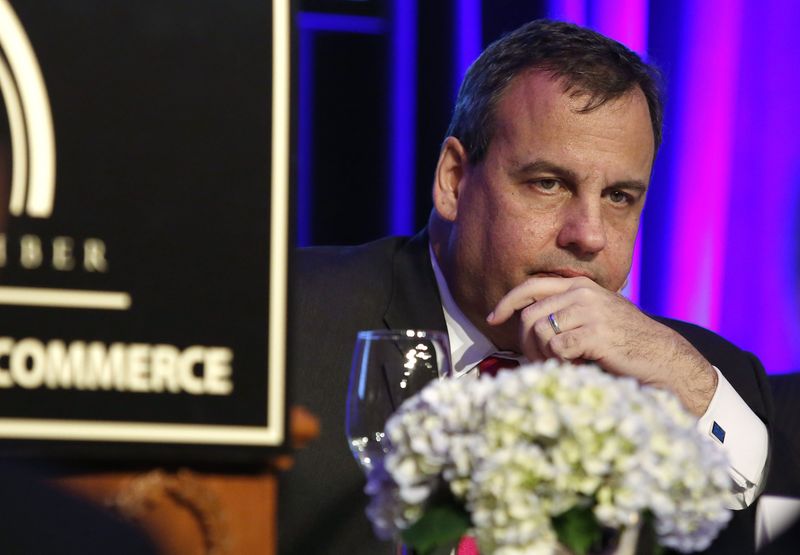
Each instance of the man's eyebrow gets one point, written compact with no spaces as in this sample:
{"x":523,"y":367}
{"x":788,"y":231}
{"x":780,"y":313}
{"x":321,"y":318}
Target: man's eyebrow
{"x":521,"y":170}
{"x":632,"y":185}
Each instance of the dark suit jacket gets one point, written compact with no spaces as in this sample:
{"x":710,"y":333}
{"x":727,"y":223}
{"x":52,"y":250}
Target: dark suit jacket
{"x":784,"y":479}
{"x":784,"y":476}
{"x":389,"y":283}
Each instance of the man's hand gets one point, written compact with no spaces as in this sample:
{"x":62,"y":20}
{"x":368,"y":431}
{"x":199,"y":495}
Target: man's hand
{"x":601,"y":326}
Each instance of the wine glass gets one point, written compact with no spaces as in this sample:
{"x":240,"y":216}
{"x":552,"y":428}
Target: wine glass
{"x":389,"y":366}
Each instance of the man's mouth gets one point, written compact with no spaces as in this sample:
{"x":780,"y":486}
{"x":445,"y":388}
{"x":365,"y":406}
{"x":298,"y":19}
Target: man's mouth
{"x":563,"y":273}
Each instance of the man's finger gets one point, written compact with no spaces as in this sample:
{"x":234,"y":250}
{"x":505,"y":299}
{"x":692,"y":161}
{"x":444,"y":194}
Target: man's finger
{"x":530,"y":291}
{"x":555,"y":304}
{"x":570,"y":345}
{"x":535,"y":333}
{"x":537,"y":330}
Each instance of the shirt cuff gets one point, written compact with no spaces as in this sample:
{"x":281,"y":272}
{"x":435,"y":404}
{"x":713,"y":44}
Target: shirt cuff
{"x":735,"y":428}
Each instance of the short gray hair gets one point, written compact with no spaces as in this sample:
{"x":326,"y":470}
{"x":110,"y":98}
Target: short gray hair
{"x":588,"y":62}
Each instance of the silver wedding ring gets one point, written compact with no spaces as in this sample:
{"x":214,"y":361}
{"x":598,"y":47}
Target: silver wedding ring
{"x":554,"y":323}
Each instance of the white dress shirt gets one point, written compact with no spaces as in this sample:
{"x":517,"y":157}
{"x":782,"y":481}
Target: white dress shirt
{"x":744,"y":435}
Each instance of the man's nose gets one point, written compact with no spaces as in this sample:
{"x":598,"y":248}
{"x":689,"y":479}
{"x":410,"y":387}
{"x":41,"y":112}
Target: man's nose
{"x":583,"y":230}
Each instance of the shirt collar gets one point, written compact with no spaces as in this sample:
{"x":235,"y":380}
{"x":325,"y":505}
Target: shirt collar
{"x":468,"y":346}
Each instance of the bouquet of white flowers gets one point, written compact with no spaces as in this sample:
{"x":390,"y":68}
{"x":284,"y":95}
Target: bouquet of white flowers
{"x":545,"y":455}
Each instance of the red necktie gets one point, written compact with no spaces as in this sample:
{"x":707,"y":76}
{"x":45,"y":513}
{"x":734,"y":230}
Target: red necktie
{"x":493,"y":364}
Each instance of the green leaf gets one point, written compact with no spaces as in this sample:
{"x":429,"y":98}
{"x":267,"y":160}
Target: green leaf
{"x":578,"y":530}
{"x":438,"y":531}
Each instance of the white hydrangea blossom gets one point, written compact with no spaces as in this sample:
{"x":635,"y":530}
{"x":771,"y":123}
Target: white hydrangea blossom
{"x":532,"y":443}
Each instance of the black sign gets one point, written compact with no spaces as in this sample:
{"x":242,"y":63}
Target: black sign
{"x":143,"y":166}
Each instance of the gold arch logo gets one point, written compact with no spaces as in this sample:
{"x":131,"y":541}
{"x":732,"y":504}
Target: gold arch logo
{"x":30,"y":121}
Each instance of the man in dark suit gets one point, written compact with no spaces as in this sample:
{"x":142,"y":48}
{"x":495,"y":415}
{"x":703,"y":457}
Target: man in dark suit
{"x":537,"y":197}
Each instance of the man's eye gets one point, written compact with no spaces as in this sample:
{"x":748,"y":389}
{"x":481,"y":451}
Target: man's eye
{"x":546,"y":184}
{"x":618,"y":197}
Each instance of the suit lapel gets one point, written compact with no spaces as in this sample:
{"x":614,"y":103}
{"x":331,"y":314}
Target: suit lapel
{"x":414,"y":302}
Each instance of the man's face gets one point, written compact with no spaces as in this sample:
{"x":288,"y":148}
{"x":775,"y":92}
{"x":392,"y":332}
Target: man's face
{"x":558,"y":192}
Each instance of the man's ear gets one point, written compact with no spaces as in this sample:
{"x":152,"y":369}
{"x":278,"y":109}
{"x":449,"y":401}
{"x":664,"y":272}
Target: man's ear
{"x":449,"y":178}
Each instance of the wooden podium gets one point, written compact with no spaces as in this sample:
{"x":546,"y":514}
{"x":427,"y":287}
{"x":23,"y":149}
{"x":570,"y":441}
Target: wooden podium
{"x":193,"y":512}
